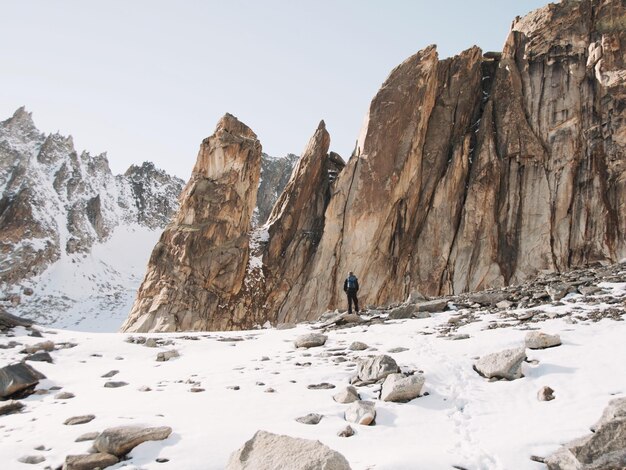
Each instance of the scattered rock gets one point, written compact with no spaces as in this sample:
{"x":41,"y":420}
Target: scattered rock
{"x":347,"y":395}
{"x":397,"y":350}
{"x":150,"y":343}
{"x":114,"y":384}
{"x":310,"y":340}
{"x":320,"y":386}
{"x":46,"y":346}
{"x":79,"y":420}
{"x":373,"y":369}
{"x":616,"y":409}
{"x":233,"y":387}
{"x":196,"y":389}
{"x":402,"y":312}
{"x":110,"y":374}
{"x":18,"y":379}
{"x":311,"y":418}
{"x":400,"y":388}
{"x":88,"y":436}
{"x":358,"y":346}
{"x":167,"y":355}
{"x":432,"y":306}
{"x":144,"y":388}
{"x":539,"y":340}
{"x":589,"y":290}
{"x":267,"y":451}
{"x":505,"y":364}
{"x":89,"y":461}
{"x":31,"y":459}
{"x":119,"y":441}
{"x":64,"y":396}
{"x":10,"y":407}
{"x":346,"y":432}
{"x":39,"y":357}
{"x":504,"y":304}
{"x":604,"y":449}
{"x":361,"y":412}
{"x":269,"y":390}
{"x":487,"y":298}
{"x":545,"y":394}
{"x":558,"y":291}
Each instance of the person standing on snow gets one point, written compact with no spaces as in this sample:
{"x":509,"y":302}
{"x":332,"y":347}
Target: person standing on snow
{"x":351,"y":287}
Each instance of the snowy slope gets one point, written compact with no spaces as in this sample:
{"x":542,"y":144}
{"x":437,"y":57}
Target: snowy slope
{"x":93,"y":291}
{"x":465,"y":420}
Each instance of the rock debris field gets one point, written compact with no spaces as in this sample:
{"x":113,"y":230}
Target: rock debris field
{"x":494,"y":382}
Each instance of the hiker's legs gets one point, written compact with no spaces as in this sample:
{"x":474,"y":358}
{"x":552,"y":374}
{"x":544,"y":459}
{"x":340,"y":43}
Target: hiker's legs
{"x":356,"y":303}
{"x":349,"y":302}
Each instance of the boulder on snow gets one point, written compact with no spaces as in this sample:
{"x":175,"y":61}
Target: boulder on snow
{"x":10,"y":407}
{"x":267,"y":451}
{"x":361,"y":412}
{"x":505,"y":364}
{"x":545,"y":394}
{"x":74,"y":420}
{"x":432,"y":306}
{"x":402,"y":312}
{"x":347,"y":395}
{"x":18,"y":378}
{"x":358,"y":346}
{"x":310,"y":340}
{"x":89,"y":461}
{"x":311,"y":418}
{"x":120,"y":440}
{"x":46,"y":346}
{"x":401,"y":388}
{"x":604,"y":449}
{"x":539,"y":340}
{"x":373,"y":369}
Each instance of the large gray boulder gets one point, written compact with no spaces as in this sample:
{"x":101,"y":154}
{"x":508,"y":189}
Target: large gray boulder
{"x":347,"y":395}
{"x":120,"y":440}
{"x":18,"y":378}
{"x":310,"y":340}
{"x":505,"y":364}
{"x":374,"y":369}
{"x":604,"y":449}
{"x":361,"y":412}
{"x":400,"y":388}
{"x":267,"y":451}
{"x":432,"y":306}
{"x":540,"y":340}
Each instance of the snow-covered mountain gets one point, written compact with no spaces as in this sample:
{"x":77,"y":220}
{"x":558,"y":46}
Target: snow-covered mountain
{"x":75,"y":239}
{"x":71,"y":230}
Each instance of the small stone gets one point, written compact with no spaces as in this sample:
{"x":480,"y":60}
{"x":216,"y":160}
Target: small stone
{"x":260,"y":384}
{"x":504,"y":304}
{"x":40,"y":448}
{"x":10,"y":407}
{"x":144,"y":388}
{"x":196,"y":389}
{"x":358,"y":346}
{"x":119,"y":441}
{"x":31,"y":459}
{"x":525,"y":316}
{"x":397,"y":350}
{"x":150,"y":343}
{"x":79,"y":420}
{"x":89,"y":461}
{"x":167,"y":355}
{"x":502,"y":365}
{"x":162,"y":460}
{"x":540,"y":340}
{"x":233,"y":387}
{"x":114,"y":384}
{"x":320,"y":386}
{"x":46,"y":346}
{"x":270,"y":390}
{"x":110,"y":374}
{"x":64,"y":396}
{"x":310,"y":340}
{"x":347,"y":395}
{"x":265,"y":358}
{"x":361,"y":412}
{"x":39,"y":357}
{"x":545,"y":394}
{"x":399,"y":388}
{"x":589,"y":290}
{"x":346,"y":432}
{"x":311,"y":418}
{"x":88,"y":436}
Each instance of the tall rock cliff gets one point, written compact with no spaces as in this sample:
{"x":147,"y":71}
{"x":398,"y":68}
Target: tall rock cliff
{"x":198,"y":266}
{"x":275,"y":173}
{"x":471,"y":172}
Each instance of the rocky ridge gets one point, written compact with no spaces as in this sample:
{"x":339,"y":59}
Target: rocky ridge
{"x":479,"y":171}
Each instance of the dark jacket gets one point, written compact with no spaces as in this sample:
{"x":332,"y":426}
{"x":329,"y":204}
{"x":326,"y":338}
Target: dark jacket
{"x":356,"y":284}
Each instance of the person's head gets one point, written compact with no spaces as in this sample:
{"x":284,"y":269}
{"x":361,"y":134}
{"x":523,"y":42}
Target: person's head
{"x":350,"y":273}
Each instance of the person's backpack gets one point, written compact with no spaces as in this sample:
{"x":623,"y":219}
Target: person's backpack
{"x":352,"y":280}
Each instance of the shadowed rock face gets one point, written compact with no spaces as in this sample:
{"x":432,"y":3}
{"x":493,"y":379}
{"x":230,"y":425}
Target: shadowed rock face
{"x":476,"y":171}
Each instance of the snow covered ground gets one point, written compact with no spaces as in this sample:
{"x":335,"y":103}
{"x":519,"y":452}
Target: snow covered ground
{"x":93,"y":291}
{"x":465,"y":420}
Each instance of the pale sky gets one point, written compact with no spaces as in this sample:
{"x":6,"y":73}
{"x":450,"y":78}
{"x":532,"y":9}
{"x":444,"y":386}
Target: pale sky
{"x":149,"y":79}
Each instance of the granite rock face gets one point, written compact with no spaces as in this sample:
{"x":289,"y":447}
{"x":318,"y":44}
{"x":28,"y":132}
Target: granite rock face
{"x":197,"y":268}
{"x":478,"y":171}
{"x":275,"y":174}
